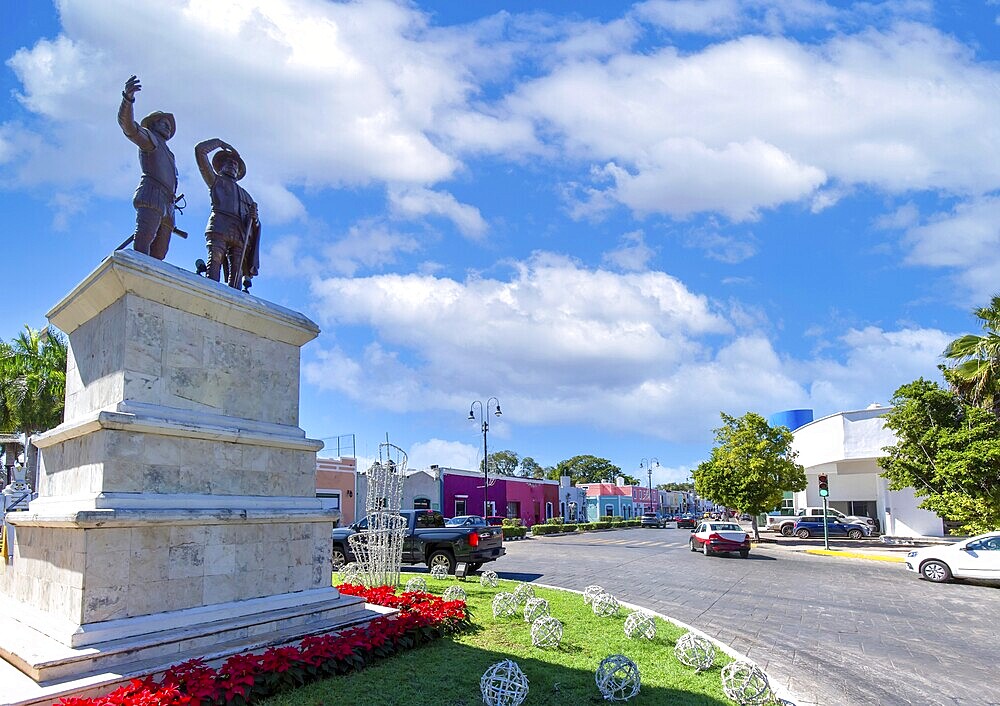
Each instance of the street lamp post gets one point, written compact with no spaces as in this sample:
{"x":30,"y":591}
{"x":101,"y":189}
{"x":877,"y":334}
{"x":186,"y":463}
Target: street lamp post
{"x":483,"y":411}
{"x":647,"y":463}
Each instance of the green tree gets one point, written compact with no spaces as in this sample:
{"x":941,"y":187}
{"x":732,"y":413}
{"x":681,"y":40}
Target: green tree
{"x":974,"y":370}
{"x":505,"y":462}
{"x":676,"y":486}
{"x":948,"y":452}
{"x":32,"y":386}
{"x":750,"y":467}
{"x":589,"y":469}
{"x":530,"y":468}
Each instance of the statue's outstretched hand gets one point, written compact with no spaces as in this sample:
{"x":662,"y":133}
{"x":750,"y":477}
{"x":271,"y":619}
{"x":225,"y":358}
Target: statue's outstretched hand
{"x":132,"y":86}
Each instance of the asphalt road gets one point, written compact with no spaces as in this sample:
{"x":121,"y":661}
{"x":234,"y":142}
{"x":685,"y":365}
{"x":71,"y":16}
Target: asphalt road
{"x":835,"y":632}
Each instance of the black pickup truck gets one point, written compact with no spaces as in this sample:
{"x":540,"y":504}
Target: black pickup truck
{"x":429,"y":542}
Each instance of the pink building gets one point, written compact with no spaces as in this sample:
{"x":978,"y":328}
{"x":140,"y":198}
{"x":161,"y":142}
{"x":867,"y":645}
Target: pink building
{"x":336,"y":479}
{"x":529,"y":499}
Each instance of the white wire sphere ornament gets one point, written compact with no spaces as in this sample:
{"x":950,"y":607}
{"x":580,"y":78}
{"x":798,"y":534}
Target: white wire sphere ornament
{"x":349,"y":572}
{"x":605,"y":605}
{"x":488,"y":578}
{"x":535,"y":608}
{"x":640,"y":625}
{"x":439,"y":572}
{"x":504,"y":684}
{"x":590,"y":593}
{"x":617,"y":678}
{"x":504,"y":605}
{"x":547,"y":631}
{"x":523,"y":592}
{"x":746,"y":684}
{"x":417,"y":583}
{"x":454,"y":593}
{"x":695,"y":651}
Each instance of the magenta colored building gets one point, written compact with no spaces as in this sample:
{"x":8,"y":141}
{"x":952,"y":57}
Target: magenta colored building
{"x":531,"y":500}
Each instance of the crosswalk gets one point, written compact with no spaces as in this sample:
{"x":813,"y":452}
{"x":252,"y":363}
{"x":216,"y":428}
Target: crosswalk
{"x":627,"y":542}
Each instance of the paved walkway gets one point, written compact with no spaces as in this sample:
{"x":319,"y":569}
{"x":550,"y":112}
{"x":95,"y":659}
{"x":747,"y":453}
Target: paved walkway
{"x":833,"y":631}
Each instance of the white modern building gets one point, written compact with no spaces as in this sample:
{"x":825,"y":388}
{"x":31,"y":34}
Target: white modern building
{"x":846,"y":446}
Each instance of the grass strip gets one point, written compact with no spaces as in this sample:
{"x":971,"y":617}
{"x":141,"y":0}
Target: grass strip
{"x":446,"y":672}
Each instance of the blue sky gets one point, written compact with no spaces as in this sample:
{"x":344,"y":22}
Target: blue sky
{"x":619,"y":219}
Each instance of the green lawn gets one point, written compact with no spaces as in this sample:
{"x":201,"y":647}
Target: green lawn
{"x":447,"y":671}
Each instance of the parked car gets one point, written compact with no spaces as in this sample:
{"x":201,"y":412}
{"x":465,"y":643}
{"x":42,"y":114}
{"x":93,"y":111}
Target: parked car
{"x":495,"y":520}
{"x":785,"y":524}
{"x":716,"y":537}
{"x":651,"y":519}
{"x":974,"y":558}
{"x":465,"y":521}
{"x":687,"y":520}
{"x":429,"y":541}
{"x":813,"y":527}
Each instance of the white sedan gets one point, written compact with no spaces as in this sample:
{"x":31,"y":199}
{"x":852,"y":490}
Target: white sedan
{"x":974,"y":558}
{"x":712,"y":537}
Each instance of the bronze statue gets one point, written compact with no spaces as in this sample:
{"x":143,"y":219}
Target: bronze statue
{"x":156,"y":196}
{"x":233,"y":232}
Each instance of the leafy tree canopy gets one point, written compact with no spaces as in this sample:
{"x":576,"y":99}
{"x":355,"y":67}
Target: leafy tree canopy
{"x":589,"y":469}
{"x":531,"y":468}
{"x":974,"y":370}
{"x":32,"y":381}
{"x":750,"y":467}
{"x":505,"y":462}
{"x":676,"y":486}
{"x":948,"y":451}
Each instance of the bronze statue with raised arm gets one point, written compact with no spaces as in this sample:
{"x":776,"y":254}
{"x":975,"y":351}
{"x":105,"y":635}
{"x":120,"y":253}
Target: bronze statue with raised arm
{"x":156,"y":196}
{"x":233,"y":232}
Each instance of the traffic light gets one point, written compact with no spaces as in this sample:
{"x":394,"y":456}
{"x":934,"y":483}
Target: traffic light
{"x":824,"y":486}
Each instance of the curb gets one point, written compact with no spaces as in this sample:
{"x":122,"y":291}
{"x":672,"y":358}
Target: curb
{"x":854,"y":555}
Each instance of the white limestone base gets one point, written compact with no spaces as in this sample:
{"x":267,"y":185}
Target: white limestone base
{"x":123,"y":660}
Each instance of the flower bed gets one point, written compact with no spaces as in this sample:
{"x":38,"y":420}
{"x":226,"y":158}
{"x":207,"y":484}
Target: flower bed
{"x":421,"y":618}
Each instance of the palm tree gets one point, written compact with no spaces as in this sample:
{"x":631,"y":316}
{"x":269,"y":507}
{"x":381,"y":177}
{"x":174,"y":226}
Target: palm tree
{"x":975,"y":372}
{"x":32,"y":386}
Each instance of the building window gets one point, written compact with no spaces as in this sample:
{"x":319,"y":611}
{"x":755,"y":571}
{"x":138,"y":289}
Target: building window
{"x":491,"y":506}
{"x":788,"y":504}
{"x":330,"y":499}
{"x":548,"y":511}
{"x":513,"y":509}
{"x":609,"y":510}
{"x":459,"y":506}
{"x":421,"y":503}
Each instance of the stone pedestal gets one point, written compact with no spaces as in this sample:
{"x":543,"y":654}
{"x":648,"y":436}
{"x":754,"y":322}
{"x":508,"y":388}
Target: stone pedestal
{"x":177,"y":513}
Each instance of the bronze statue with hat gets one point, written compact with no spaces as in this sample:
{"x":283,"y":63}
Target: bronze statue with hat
{"x":233,"y":232}
{"x":156,"y":196}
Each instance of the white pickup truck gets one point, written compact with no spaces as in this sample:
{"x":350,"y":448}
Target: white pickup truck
{"x":786,"y":523}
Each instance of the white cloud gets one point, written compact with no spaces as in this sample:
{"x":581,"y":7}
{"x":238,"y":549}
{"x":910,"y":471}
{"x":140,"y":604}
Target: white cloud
{"x":720,"y":17}
{"x":453,"y":454}
{"x":313,"y":93}
{"x":874,"y":364}
{"x":966,"y":240}
{"x":632,"y":253}
{"x":561,"y":344}
{"x":417,"y":202}
{"x":755,"y":122}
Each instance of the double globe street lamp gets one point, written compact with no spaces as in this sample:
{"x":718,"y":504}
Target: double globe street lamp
{"x":484,"y":410}
{"x":647,"y":463}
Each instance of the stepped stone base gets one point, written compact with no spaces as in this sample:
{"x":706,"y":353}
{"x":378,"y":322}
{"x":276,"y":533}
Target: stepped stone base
{"x":177,"y":514}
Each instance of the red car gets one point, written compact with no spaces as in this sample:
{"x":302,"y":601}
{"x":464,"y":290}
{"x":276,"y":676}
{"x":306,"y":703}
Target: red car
{"x":495,"y":520}
{"x":716,"y":537}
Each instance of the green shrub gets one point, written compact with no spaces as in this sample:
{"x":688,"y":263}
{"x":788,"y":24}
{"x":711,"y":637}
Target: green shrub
{"x":569,"y":528}
{"x":511,"y":522}
{"x":554,"y":521}
{"x":514,"y":532}
{"x":600,"y":525}
{"x":615,"y":518}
